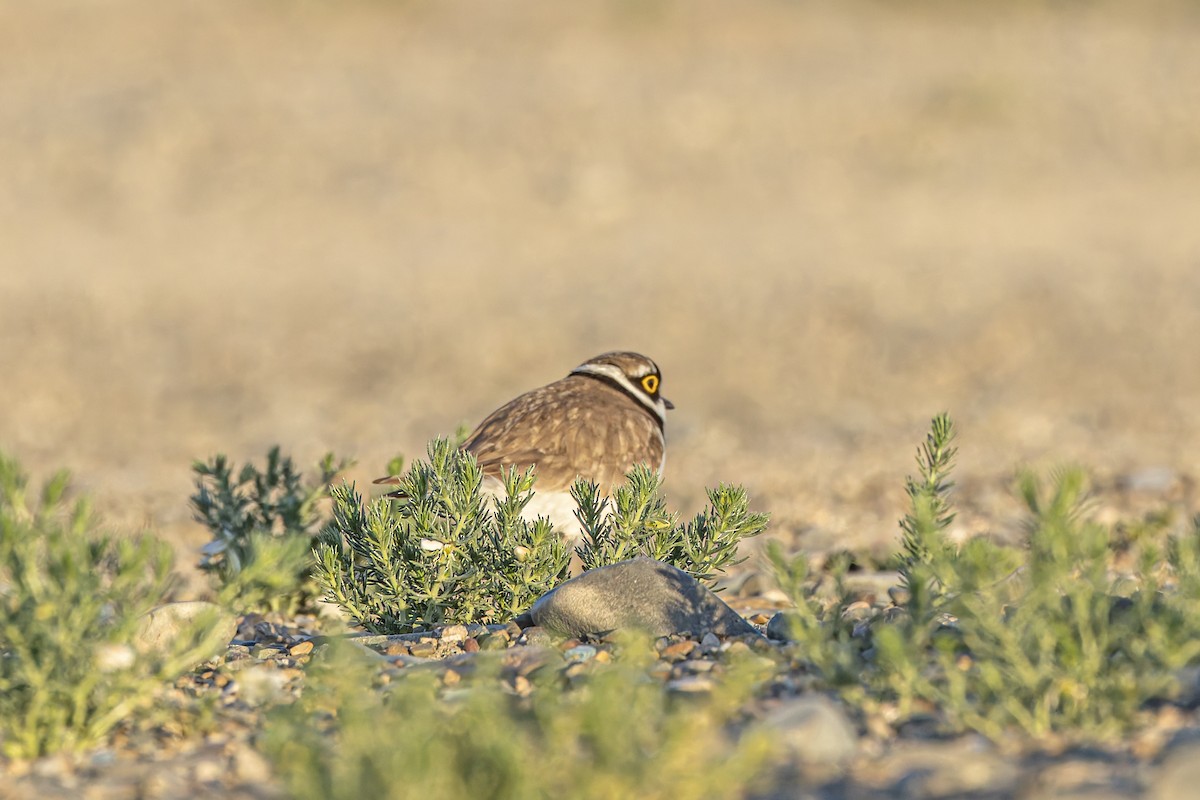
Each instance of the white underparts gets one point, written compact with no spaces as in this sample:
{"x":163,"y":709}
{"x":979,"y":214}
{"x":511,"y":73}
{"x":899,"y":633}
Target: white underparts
{"x":558,"y":507}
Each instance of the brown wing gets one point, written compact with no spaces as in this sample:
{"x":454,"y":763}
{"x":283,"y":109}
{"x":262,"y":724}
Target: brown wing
{"x":574,"y":427}
{"x":607,"y":445}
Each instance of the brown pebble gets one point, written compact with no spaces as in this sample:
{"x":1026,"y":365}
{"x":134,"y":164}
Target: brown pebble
{"x":451,"y":678}
{"x":423,"y":649}
{"x":470,"y":645}
{"x":603,"y":657}
{"x":397,"y":649}
{"x":760,"y":619}
{"x":301,"y":648}
{"x":569,"y":643}
{"x":679,"y":650}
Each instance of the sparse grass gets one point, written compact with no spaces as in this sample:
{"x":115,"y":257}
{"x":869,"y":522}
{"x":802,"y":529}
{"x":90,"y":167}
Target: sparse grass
{"x":264,"y":524}
{"x":1045,"y":640}
{"x":616,"y":735}
{"x":70,"y":603}
{"x":1072,"y":635}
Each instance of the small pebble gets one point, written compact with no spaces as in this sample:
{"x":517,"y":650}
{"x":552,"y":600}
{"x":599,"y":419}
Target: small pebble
{"x":454,"y":633}
{"x":679,"y":650}
{"x":493,"y":641}
{"x":780,"y":626}
{"x":737,"y":647}
{"x":425,"y":648}
{"x":580,"y":653}
{"x":470,"y":645}
{"x":710,"y":643}
{"x":301,"y":648}
{"x":537,"y":636}
{"x":264,"y":651}
{"x":692,"y":684}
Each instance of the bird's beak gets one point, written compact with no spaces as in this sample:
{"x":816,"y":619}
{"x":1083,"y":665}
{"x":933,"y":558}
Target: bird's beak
{"x":667,"y":403}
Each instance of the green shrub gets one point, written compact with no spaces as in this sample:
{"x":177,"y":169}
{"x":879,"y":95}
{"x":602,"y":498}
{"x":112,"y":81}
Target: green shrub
{"x":441,"y":552}
{"x":616,"y":735}
{"x":635,"y":522}
{"x":70,"y":603}
{"x":1044,"y":640}
{"x":264,"y":524}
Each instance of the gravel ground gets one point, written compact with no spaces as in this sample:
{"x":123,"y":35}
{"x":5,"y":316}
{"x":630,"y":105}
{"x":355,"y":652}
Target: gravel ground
{"x":826,"y":753}
{"x":354,"y":227}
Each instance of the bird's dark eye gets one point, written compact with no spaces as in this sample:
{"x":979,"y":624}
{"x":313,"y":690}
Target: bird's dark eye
{"x":650,"y":384}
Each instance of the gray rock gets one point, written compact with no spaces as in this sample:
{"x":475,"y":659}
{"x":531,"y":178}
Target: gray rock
{"x":779,"y":627}
{"x":814,"y":729}
{"x":164,"y":629}
{"x":641,"y":594}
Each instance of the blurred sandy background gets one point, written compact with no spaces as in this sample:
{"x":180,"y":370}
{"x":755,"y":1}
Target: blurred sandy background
{"x":353,"y":226}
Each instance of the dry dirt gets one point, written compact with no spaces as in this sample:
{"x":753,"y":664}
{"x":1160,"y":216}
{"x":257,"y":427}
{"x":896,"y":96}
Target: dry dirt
{"x":354,"y":226}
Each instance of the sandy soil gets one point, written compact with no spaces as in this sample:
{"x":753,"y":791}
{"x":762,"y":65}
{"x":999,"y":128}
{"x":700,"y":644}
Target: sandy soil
{"x":354,"y":226}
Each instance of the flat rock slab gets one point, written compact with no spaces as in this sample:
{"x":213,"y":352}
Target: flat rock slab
{"x":641,"y":594}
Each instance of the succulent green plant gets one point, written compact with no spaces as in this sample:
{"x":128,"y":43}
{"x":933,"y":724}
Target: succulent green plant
{"x":71,"y":606}
{"x":440,"y":552}
{"x":264,"y":524}
{"x":1043,"y":640}
{"x":443,"y":551}
{"x":636,"y":522}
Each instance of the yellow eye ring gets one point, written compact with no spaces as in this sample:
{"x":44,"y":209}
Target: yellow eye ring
{"x":650,"y":384}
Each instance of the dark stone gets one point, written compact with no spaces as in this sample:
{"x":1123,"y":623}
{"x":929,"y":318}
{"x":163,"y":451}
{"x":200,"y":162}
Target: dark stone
{"x":642,"y":594}
{"x":780,"y":627}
